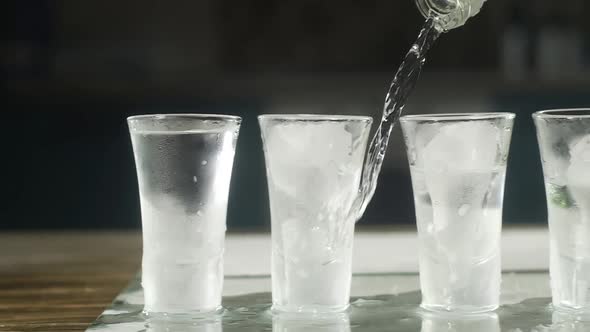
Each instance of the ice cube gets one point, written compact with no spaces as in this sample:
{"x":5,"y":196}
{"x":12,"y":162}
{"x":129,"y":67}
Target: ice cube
{"x":458,"y":164}
{"x":307,"y":159}
{"x":578,"y":177}
{"x":461,"y":146}
{"x":578,"y":172}
{"x":580,"y":149}
{"x":309,"y":143}
{"x":304,"y":242}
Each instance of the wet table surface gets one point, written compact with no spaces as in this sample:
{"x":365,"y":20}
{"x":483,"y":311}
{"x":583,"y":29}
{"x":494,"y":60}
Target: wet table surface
{"x":380,"y":302}
{"x":63,"y":281}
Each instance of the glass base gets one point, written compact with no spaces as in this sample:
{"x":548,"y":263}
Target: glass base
{"x":309,"y":309}
{"x":184,"y":315}
{"x":567,"y":308}
{"x":457,"y":309}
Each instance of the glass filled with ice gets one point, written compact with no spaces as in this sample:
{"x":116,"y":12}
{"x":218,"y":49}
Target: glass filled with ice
{"x":184,"y":164}
{"x":564,"y":142}
{"x":313,"y":166}
{"x":458,"y":166}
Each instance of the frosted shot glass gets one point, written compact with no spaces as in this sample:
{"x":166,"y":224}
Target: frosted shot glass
{"x":313,"y":167}
{"x":564,"y":142}
{"x":458,"y":167}
{"x":184,"y":164}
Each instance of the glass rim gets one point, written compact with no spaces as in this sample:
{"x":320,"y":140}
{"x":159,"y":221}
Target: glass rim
{"x":563,"y":113}
{"x":445,"y":117}
{"x":192,"y":116}
{"x":315,"y":117}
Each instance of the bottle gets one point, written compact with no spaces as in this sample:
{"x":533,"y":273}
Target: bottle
{"x":450,"y":14}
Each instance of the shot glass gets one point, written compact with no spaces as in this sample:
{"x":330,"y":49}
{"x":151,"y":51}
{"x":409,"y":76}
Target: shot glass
{"x":184,"y":164}
{"x":313,"y":167}
{"x":458,"y":167}
{"x":564,"y":142}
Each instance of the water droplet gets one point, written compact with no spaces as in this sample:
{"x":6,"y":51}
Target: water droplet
{"x":195,"y":179}
{"x":464,"y":209}
{"x":204,"y":162}
{"x":329,"y":262}
{"x":199,"y":213}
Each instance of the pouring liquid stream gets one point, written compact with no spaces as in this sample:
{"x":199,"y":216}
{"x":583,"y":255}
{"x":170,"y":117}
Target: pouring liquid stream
{"x":400,"y":89}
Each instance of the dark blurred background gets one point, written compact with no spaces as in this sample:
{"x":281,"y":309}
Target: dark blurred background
{"x":72,"y":71}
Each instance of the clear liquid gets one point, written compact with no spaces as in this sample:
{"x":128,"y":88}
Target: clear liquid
{"x":183,"y":182}
{"x":459,"y":218}
{"x":309,"y":275}
{"x":400,"y":89}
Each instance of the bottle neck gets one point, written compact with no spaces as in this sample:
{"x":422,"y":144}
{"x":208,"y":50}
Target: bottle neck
{"x":450,"y":14}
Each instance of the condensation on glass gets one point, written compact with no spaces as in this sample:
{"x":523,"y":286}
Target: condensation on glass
{"x":564,"y":143}
{"x":313,"y":165}
{"x":458,"y":167}
{"x":184,"y":164}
